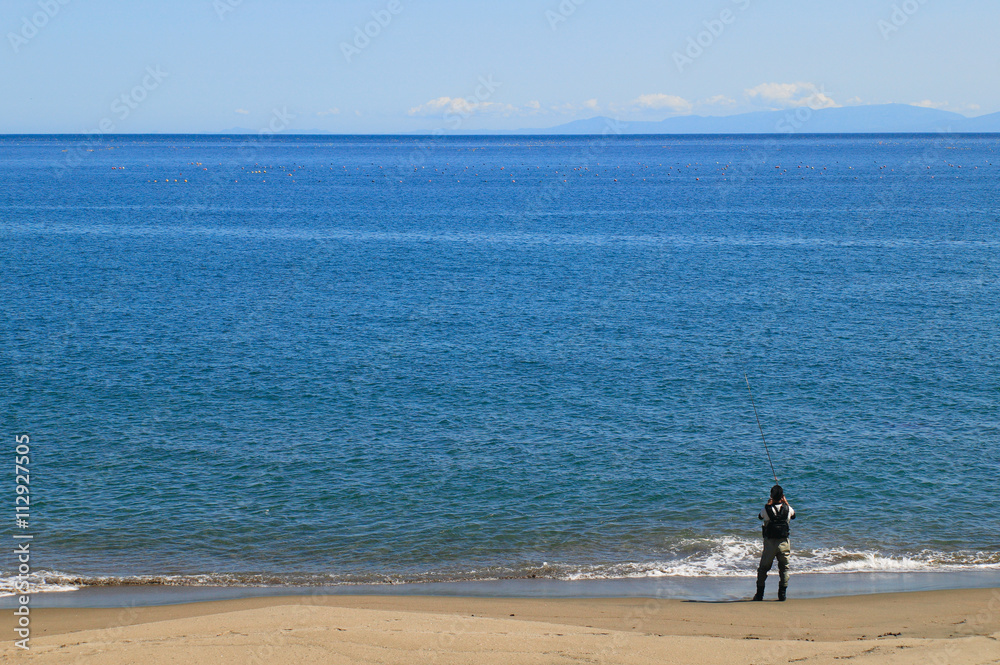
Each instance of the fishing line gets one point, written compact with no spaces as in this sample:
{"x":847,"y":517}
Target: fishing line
{"x":761,"y":429}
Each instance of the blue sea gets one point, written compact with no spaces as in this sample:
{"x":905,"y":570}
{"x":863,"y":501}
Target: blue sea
{"x":302,"y":360}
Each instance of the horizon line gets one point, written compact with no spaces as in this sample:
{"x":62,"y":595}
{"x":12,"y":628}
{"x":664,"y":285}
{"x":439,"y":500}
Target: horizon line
{"x":492,"y":133}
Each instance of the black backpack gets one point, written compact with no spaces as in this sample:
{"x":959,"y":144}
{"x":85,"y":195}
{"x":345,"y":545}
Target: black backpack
{"x":777,"y":524}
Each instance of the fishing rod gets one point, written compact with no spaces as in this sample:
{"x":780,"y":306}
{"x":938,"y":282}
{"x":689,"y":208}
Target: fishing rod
{"x":761,"y":429}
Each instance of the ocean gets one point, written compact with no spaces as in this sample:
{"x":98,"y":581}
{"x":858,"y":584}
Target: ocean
{"x":307,"y":361}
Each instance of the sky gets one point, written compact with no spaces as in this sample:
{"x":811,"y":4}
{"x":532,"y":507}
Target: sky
{"x":388,"y":66}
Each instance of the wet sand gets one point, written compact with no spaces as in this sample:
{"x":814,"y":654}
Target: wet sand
{"x":959,"y":626}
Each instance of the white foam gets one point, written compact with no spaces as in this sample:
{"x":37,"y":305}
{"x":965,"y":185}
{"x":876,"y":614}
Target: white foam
{"x":37,"y":583}
{"x":738,"y":557}
{"x":710,"y":557}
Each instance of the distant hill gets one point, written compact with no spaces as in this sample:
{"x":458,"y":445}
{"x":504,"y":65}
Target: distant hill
{"x":984,"y":123}
{"x":872,"y":119}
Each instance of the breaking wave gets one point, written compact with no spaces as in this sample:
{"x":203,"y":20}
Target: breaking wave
{"x":718,"y":557}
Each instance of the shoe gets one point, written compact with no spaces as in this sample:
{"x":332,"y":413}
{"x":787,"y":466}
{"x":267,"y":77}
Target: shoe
{"x":781,"y":592}
{"x":760,"y":592}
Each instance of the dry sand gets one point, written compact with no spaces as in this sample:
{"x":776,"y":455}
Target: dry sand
{"x":939,"y":627}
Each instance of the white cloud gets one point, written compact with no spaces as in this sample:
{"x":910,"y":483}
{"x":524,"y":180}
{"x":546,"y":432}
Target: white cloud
{"x":854,"y":101}
{"x":567,"y":109}
{"x":719,"y":100}
{"x":461,"y":106}
{"x":585,"y":109}
{"x":333,"y":111}
{"x":433,"y":106}
{"x":533,"y":107}
{"x":928,"y":104}
{"x":660,"y":101}
{"x":242,"y":111}
{"x":791,"y":95}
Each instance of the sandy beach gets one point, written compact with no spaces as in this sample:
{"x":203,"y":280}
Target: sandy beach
{"x":952,"y":627}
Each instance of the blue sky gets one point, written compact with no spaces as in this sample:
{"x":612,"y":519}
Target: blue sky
{"x":208,"y":65}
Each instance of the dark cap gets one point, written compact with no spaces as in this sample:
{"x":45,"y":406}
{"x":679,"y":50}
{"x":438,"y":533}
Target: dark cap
{"x":777,"y":493}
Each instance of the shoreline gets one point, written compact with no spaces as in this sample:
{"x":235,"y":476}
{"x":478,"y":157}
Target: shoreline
{"x":955,"y":626}
{"x":703,"y":589}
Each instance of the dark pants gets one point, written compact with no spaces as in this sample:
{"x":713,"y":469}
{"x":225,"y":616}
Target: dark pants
{"x":774,"y":548}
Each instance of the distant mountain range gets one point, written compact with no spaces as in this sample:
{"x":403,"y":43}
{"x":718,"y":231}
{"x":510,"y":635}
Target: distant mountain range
{"x":873,"y":119}
{"x":243,"y":130}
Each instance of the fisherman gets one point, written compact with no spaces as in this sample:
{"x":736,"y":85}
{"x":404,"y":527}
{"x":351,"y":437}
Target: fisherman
{"x":776,"y":515}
